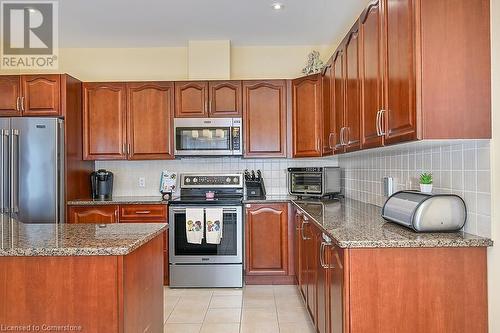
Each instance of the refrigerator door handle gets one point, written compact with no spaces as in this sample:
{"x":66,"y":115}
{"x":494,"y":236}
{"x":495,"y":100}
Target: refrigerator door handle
{"x":14,"y":175}
{"x":3,"y":153}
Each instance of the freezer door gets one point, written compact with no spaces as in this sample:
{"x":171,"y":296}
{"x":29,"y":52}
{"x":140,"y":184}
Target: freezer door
{"x":35,"y":185}
{"x":4,"y":165}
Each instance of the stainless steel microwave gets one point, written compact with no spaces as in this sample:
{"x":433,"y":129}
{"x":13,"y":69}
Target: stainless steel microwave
{"x":208,"y":136}
{"x":314,"y":182}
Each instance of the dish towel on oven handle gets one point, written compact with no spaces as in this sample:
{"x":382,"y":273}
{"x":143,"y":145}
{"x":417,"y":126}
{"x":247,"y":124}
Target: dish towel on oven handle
{"x":194,"y":225}
{"x":214,"y":225}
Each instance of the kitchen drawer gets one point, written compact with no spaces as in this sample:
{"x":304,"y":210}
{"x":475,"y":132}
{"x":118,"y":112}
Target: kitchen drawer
{"x":143,"y":213}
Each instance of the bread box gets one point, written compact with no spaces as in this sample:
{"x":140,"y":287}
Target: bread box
{"x":424,"y":212}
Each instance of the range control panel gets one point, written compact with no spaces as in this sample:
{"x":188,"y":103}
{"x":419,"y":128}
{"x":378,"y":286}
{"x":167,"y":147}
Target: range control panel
{"x":219,"y":180}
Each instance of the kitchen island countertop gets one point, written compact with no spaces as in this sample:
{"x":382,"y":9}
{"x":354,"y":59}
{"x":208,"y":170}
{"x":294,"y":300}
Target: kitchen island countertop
{"x":113,"y":239}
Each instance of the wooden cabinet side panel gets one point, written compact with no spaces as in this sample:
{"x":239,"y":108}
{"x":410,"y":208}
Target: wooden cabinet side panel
{"x":80,"y":290}
{"x":456,"y":69}
{"x":10,"y":93}
{"x":143,"y":288}
{"x":264,"y":118}
{"x":444,"y":290}
{"x":266,"y":240}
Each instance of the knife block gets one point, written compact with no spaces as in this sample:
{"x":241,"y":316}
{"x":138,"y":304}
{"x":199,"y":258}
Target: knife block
{"x":255,"y":189}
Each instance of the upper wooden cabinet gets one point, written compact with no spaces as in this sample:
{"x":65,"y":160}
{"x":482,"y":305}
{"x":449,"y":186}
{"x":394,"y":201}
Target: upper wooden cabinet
{"x":307,"y":116}
{"x":41,"y":95}
{"x":10,"y":92}
{"x":264,"y":118}
{"x":266,"y":240}
{"x":352,"y":116}
{"x":371,"y":75}
{"x":31,"y":95}
{"x":225,"y":99}
{"x":104,"y":121}
{"x":150,"y":114}
{"x":191,"y":99}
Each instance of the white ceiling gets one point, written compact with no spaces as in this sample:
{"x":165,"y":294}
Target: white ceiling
{"x":155,"y":23}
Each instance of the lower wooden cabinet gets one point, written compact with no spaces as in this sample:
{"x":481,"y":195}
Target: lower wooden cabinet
{"x":138,"y":213}
{"x":267,"y":246}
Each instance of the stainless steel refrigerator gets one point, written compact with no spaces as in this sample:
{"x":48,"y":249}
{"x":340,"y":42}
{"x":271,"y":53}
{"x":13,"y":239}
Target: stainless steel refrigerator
{"x":32,"y":169}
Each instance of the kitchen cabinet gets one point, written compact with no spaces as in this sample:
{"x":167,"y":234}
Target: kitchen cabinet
{"x":131,"y":121}
{"x":352,"y":116}
{"x":371,"y":74}
{"x":307,"y":116}
{"x":267,"y":246}
{"x":104,"y":121}
{"x":31,"y":95}
{"x":264,"y":118}
{"x":150,"y":110}
{"x":225,"y":99}
{"x":10,"y":92}
{"x":328,"y":123}
{"x":125,"y":213}
{"x":93,"y":214}
{"x":191,"y":99}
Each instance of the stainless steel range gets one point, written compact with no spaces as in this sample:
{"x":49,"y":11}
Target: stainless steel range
{"x":200,"y":261}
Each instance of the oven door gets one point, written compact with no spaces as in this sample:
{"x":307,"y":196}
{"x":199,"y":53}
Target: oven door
{"x":306,"y":183}
{"x":207,"y":136}
{"x":228,"y":251}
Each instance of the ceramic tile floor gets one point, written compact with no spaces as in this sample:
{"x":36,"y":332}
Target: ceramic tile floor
{"x":262,"y":309}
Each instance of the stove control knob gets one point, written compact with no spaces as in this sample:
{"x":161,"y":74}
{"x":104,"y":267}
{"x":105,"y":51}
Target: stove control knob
{"x":235,"y":180}
{"x":228,"y":180}
{"x":188,"y":180}
{"x":195,"y":180}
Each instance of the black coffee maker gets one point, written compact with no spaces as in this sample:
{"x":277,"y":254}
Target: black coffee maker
{"x":102,"y":184}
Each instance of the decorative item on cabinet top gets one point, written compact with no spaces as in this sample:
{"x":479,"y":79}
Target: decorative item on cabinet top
{"x":314,"y":64}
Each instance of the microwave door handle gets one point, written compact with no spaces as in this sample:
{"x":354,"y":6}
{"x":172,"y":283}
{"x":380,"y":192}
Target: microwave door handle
{"x":231,"y":140}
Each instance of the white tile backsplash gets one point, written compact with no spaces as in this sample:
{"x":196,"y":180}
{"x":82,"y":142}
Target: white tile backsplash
{"x":461,"y":167}
{"x":127,"y":173}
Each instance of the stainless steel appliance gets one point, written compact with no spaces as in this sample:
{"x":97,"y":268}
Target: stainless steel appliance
{"x":32,"y":169}
{"x":208,"y":136}
{"x":102,"y":184}
{"x":314,"y":182}
{"x":207,"y":265}
{"x":426,"y":212}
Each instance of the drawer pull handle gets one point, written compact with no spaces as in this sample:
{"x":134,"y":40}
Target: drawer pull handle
{"x":143,"y":212}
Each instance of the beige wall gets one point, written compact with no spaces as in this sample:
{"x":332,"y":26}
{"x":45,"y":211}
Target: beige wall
{"x":494,"y":252}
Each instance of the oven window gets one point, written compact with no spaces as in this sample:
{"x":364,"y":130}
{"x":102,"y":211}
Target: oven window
{"x":227,"y":246}
{"x":203,"y":138}
{"x":306,"y":182}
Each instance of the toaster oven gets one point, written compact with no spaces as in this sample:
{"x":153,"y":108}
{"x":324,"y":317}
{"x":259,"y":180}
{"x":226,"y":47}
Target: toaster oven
{"x":314,"y":182}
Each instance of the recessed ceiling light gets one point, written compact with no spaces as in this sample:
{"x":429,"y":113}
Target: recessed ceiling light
{"x":277,"y":6}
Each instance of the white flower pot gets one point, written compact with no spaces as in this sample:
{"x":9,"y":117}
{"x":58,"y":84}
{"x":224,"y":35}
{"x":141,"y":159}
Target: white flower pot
{"x":426,"y":188}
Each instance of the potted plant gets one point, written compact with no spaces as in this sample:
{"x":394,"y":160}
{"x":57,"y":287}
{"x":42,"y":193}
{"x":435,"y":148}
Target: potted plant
{"x":426,"y":182}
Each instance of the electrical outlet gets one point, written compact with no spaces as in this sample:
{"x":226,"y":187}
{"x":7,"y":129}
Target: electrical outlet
{"x":142,"y":182}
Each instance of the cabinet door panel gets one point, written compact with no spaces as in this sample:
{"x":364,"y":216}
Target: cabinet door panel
{"x":371,"y":74}
{"x":191,"y":99}
{"x":150,"y":120}
{"x":41,"y":95}
{"x":93,"y":214}
{"x":266,"y":240}
{"x":225,"y":99}
{"x":307,"y":116}
{"x":338,"y":90}
{"x":10,"y":93}
{"x":400,"y":118}
{"x":328,"y":123}
{"x":264,"y":118}
{"x":104,"y":121}
{"x":143,"y":213}
{"x":352,"y":99}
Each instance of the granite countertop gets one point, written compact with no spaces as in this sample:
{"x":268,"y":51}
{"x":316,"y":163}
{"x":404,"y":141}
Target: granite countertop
{"x":355,"y":224}
{"x":132,"y":200}
{"x":114,"y":239}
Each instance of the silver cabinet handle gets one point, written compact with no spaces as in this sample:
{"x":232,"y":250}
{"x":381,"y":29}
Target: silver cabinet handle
{"x":22,"y":103}
{"x":341,"y":138}
{"x":116,"y":215}
{"x":381,"y":122}
{"x":377,"y":123}
{"x":206,"y":106}
{"x":128,"y":148}
{"x":18,"y":99}
{"x":143,"y":212}
{"x":318,"y":144}
{"x":345,"y":136}
{"x":332,"y":135}
{"x":322,"y":255}
{"x":304,"y":221}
